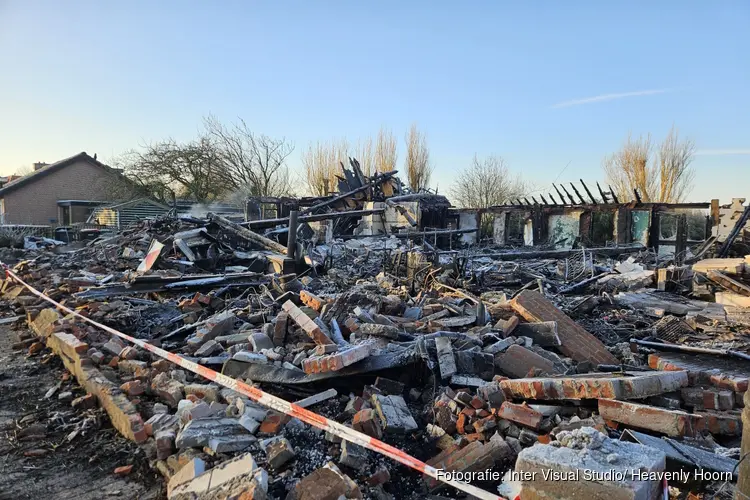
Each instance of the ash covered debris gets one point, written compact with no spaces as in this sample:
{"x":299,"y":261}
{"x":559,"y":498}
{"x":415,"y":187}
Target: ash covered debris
{"x":379,"y":312}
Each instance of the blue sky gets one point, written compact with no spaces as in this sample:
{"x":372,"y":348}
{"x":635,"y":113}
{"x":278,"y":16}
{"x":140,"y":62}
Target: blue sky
{"x":543,"y":84}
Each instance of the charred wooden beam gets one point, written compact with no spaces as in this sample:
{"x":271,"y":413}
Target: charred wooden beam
{"x":604,"y":196}
{"x":583,"y":202}
{"x":554,"y":202}
{"x":612,"y":192}
{"x":543,"y":199}
{"x":562,"y":198}
{"x":246,"y":234}
{"x":535,"y":202}
{"x":376,"y":179}
{"x":311,"y":218}
{"x":570,"y":197}
{"x":593,"y":200}
{"x":637,"y":196}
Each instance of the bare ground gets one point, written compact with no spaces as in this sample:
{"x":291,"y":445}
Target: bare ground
{"x":48,"y":450}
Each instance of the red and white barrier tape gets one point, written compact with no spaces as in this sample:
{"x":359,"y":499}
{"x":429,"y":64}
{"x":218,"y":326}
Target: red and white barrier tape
{"x":276,"y":403}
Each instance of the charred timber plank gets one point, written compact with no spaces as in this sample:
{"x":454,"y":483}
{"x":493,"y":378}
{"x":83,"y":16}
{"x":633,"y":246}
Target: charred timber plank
{"x":246,"y":234}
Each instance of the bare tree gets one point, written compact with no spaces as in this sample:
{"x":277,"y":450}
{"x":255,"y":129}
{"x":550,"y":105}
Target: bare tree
{"x":365,"y":155}
{"x":322,"y":162}
{"x":190,"y":169}
{"x":254,"y":164}
{"x":675,"y":174}
{"x":664,"y":177}
{"x":487,"y":182}
{"x":629,"y":169}
{"x":386,"y":153}
{"x":417,"y":163}
{"x":22,"y":171}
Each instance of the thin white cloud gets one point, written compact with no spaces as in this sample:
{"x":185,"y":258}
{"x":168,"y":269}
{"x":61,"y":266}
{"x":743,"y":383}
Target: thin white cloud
{"x":722,"y":152}
{"x":609,"y":97}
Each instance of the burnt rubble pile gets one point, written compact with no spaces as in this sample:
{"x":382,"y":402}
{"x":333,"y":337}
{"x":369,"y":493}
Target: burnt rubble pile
{"x":469,"y":362}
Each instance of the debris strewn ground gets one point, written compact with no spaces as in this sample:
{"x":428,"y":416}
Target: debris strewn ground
{"x":589,"y":361}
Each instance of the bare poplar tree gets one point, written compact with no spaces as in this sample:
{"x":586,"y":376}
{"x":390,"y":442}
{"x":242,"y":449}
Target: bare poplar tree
{"x":365,"y":155}
{"x":322,"y":162}
{"x":665,"y":177}
{"x":675,"y":174}
{"x":630,"y":168}
{"x":417,"y":163}
{"x":254,"y":164}
{"x":386,"y":153}
{"x":487,"y":182}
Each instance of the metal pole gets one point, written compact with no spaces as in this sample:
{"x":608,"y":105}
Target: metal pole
{"x":291,"y":246}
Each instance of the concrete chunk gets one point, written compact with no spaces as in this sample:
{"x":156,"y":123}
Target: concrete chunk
{"x":198,"y":433}
{"x":606,"y":472}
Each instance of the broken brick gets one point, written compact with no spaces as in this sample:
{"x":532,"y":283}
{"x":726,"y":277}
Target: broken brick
{"x":669,"y":422}
{"x":311,"y":300}
{"x":520,"y":414}
{"x":367,"y":422}
{"x":307,"y":325}
{"x":576,"y":342}
{"x":336,"y":361}
{"x":592,"y":386}
{"x":518,"y":361}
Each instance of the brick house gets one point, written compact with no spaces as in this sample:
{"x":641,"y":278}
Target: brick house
{"x":62,"y":193}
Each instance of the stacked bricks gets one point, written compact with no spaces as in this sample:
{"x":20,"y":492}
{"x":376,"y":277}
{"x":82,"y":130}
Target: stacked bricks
{"x":577,"y":343}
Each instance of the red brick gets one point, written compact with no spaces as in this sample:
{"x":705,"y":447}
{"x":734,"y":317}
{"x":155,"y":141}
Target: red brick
{"x":273,"y":423}
{"x":670,"y":422}
{"x":727,"y":423}
{"x":475,"y":456}
{"x":592,"y":386}
{"x":510,"y":325}
{"x":380,"y":476}
{"x":518,"y":361}
{"x":485,"y":424}
{"x":336,"y":361}
{"x":576,"y":342}
{"x":133,"y":388}
{"x":461,"y":423}
{"x":520,"y":414}
{"x":367,"y":422}
{"x":477,"y":403}
{"x":311,"y":300}
{"x":307,"y":325}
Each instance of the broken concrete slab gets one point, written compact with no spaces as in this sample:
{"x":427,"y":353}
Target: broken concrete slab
{"x":198,"y":433}
{"x":615,"y":470}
